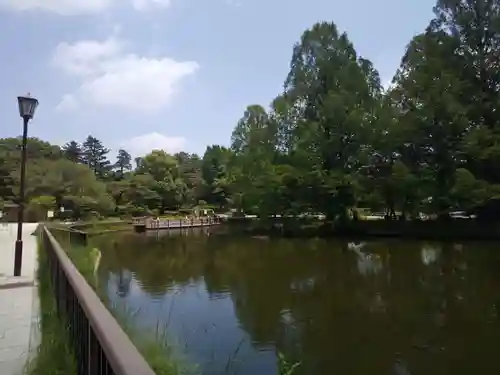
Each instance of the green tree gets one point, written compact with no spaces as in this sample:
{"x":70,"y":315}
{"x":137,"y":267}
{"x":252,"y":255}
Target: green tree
{"x":159,"y":165}
{"x":190,"y":173}
{"x":428,"y":89}
{"x":123,"y":162}
{"x":214,"y":172}
{"x":73,"y":186}
{"x":95,"y":156}
{"x":6,"y":181}
{"x":253,"y":145}
{"x":139,"y":194}
{"x":334,"y":94}
{"x":169,"y":185}
{"x":72,"y":151}
{"x":472,"y":25}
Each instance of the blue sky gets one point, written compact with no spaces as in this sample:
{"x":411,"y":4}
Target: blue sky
{"x":171,"y":74}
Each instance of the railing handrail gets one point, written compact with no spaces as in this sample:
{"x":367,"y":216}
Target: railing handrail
{"x":145,"y":221}
{"x":121,"y":353}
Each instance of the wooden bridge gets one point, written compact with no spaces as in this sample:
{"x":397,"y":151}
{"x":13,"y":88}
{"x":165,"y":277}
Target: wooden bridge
{"x":151,"y":223}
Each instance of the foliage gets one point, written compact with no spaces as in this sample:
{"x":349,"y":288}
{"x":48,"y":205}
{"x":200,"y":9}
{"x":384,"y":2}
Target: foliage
{"x":83,"y":181}
{"x":336,"y":140}
{"x":332,"y":141}
{"x":123,"y":163}
{"x":95,"y":156}
{"x":73,"y":152}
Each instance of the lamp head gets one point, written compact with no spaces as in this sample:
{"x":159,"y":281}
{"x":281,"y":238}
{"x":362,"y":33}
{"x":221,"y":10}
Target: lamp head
{"x":27,"y":106}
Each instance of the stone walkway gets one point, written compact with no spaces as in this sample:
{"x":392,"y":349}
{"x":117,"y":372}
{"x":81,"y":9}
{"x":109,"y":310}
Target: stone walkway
{"x":18,"y":300}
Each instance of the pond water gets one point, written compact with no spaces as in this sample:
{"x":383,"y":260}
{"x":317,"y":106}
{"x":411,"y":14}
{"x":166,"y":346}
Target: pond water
{"x":232,"y":303}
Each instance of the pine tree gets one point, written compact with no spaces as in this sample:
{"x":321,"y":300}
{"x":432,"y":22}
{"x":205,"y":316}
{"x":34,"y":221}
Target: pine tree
{"x":123,"y":162}
{"x":72,"y":151}
{"x":95,"y":156}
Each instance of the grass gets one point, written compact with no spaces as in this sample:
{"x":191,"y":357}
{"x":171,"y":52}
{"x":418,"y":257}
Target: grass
{"x":285,"y":367}
{"x":53,"y":355}
{"x":97,"y":227}
{"x":152,"y":345}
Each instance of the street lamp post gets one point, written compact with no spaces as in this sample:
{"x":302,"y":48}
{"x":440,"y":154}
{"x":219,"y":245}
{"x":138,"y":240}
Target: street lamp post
{"x":27,"y":107}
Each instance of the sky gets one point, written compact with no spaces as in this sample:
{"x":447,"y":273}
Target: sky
{"x":171,"y":74}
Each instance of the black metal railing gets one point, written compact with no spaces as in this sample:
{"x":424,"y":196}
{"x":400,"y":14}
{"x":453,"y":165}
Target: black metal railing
{"x":101,"y":347}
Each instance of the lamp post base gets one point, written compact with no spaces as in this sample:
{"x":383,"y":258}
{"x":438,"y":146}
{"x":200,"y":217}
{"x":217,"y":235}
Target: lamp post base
{"x":18,"y":257}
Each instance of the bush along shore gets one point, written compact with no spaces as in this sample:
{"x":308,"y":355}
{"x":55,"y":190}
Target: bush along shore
{"x":436,"y":229}
{"x":53,"y":355}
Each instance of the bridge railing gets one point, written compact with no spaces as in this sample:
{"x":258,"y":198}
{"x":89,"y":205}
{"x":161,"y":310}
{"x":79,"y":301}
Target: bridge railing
{"x":189,"y":222}
{"x":101,"y":346}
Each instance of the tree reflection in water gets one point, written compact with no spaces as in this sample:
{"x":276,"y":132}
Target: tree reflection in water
{"x":354,"y":308}
{"x":123,"y":282}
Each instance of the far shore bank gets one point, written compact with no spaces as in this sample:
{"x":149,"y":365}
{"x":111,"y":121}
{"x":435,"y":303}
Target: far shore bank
{"x":449,"y":230}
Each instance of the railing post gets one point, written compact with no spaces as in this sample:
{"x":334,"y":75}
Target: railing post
{"x":93,"y":365}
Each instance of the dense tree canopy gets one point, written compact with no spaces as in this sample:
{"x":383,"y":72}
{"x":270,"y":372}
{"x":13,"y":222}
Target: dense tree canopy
{"x":334,"y":140}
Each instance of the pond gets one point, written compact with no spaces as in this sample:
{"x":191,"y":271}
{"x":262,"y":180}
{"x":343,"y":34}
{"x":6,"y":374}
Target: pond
{"x":233,"y":303}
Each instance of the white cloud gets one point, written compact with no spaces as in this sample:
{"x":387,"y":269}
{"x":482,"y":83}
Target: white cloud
{"x":78,"y":7}
{"x":62,"y":7}
{"x":86,"y":57}
{"x":144,"y":144}
{"x":112,"y":77}
{"x":145,"y":5}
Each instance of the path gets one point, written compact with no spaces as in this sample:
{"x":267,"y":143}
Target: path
{"x":18,"y":299}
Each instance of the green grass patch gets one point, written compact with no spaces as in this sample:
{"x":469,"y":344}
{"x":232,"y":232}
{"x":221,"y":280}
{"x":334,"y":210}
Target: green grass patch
{"x":97,"y":227}
{"x":53,"y":355}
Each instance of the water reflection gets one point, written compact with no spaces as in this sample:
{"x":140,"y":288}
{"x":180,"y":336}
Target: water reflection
{"x":339,"y":308}
{"x":367,"y":263}
{"x":430,"y":253}
{"x":123,"y":280}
